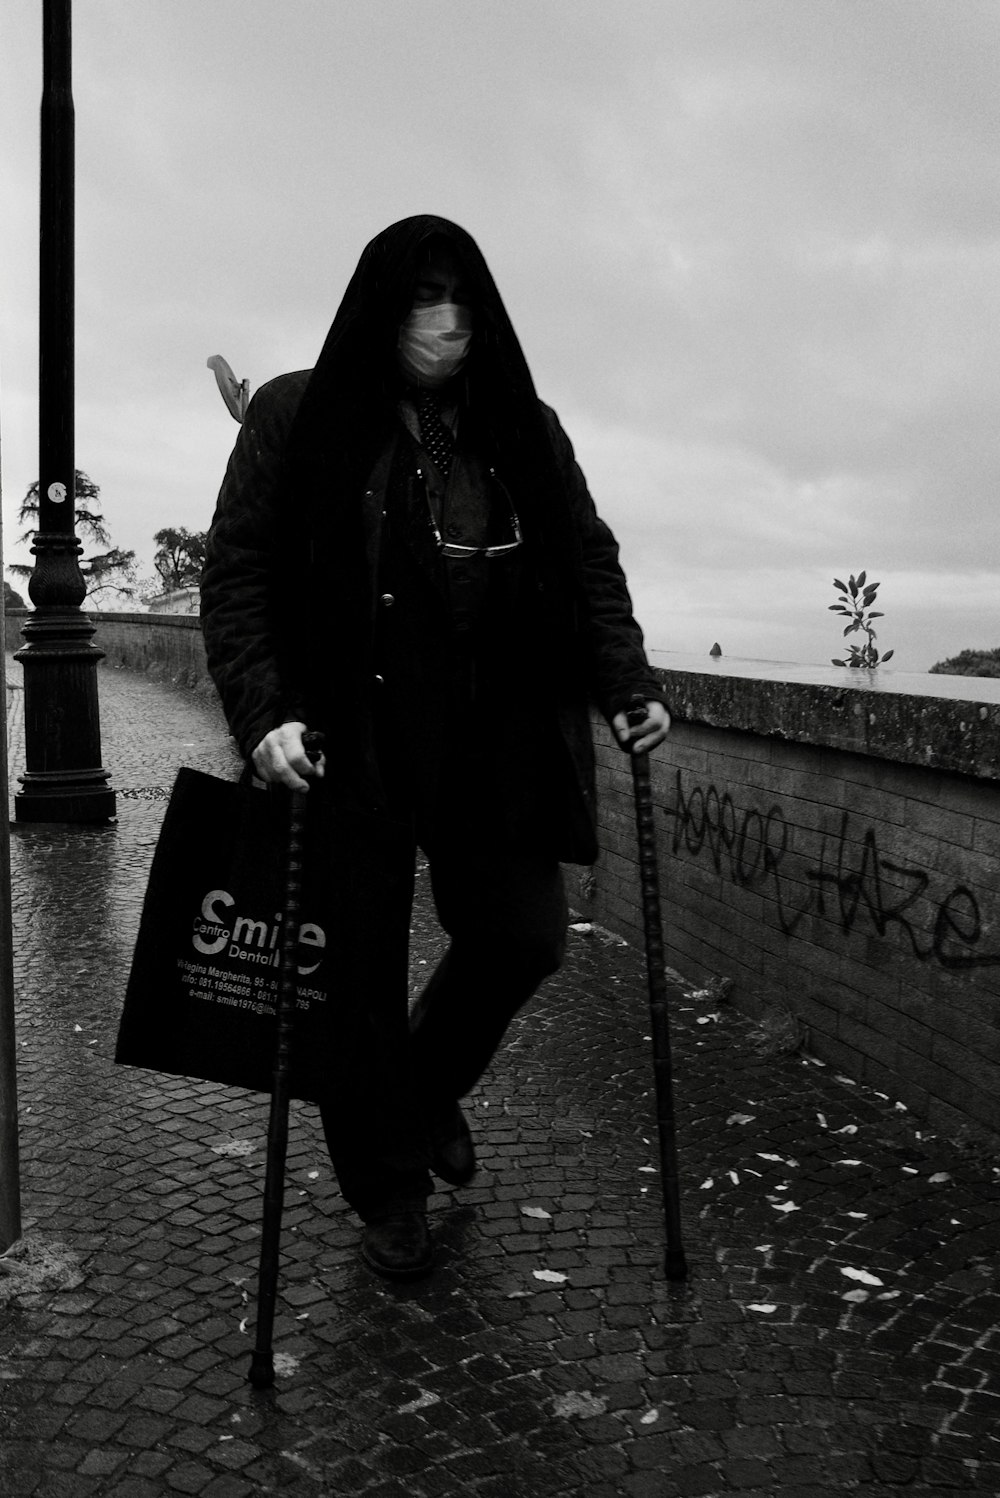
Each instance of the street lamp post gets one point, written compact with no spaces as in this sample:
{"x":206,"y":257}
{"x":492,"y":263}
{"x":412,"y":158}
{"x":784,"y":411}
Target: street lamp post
{"x":63,"y":779}
{"x":10,"y":1170}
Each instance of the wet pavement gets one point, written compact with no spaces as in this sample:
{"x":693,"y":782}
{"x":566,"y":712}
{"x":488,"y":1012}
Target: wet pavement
{"x":839,"y":1331}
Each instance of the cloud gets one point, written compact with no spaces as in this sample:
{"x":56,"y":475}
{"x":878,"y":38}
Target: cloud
{"x":751,"y":251}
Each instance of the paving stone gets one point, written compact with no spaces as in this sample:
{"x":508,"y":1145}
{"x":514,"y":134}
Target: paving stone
{"x":134,"y":1486}
{"x":94,"y":1425}
{"x":100,"y":1463}
{"x":188,"y":1477}
{"x":67,"y":1485}
{"x":150,"y":1463}
{"x":227,"y":1487}
{"x":745,"y":1472}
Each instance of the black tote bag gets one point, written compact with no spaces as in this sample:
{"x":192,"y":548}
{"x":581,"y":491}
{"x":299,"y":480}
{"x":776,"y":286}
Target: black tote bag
{"x":202,"y":991}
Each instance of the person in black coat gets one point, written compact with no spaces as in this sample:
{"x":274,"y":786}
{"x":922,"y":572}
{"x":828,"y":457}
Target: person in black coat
{"x":405,"y":557}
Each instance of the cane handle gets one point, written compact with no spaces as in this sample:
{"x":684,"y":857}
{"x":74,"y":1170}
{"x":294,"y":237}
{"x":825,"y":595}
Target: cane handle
{"x":312,"y":743}
{"x":636,"y":712}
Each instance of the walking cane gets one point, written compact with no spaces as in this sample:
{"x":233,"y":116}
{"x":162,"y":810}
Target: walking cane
{"x":675,"y":1264}
{"x":261,"y":1374}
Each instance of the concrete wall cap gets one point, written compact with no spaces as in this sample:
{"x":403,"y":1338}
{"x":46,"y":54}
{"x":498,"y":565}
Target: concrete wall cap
{"x":942,"y":722}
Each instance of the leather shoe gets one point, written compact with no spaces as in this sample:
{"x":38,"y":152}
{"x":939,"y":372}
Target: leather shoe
{"x":398,"y":1246}
{"x":453,"y":1155}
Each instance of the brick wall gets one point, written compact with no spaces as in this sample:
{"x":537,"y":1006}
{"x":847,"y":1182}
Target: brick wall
{"x":857,"y":886}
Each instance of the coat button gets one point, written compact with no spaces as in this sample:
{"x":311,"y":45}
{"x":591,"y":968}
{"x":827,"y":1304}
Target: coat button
{"x":387,"y":600}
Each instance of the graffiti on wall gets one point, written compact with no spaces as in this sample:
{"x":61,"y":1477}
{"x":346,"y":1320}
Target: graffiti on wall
{"x":849,"y":879}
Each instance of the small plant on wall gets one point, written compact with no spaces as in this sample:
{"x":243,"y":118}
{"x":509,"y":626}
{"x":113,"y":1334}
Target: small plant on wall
{"x":856,"y":599}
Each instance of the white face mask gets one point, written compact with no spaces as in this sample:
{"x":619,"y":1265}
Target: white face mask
{"x":433,"y":342}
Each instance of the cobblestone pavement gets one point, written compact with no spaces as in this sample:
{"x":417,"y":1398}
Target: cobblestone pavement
{"x":840,"y":1330}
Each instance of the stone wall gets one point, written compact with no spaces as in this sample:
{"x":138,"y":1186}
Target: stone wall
{"x":829,"y":842}
{"x":167,"y":647}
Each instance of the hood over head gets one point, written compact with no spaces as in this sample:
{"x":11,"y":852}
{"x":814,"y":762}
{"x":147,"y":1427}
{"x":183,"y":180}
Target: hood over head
{"x":349,"y":405}
{"x":361,"y":343}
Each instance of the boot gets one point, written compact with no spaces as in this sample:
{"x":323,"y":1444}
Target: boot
{"x":398,"y":1246}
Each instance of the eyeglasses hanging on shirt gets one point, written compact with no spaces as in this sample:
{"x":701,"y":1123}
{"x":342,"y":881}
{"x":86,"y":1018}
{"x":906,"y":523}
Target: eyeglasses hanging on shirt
{"x":456,"y":549}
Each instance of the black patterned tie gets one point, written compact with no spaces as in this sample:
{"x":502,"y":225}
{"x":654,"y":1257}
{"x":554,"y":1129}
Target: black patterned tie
{"x":436,"y":438}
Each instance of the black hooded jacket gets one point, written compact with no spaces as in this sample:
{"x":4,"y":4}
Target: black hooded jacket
{"x":294,"y":574}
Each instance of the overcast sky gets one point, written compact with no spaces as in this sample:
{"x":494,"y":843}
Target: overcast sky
{"x":751,"y":248}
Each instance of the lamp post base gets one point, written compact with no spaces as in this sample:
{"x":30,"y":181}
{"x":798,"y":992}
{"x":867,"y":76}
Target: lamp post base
{"x":49,"y":798}
{"x":63,"y":780}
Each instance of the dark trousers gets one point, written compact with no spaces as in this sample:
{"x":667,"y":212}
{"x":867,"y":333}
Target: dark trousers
{"x":505,"y":913}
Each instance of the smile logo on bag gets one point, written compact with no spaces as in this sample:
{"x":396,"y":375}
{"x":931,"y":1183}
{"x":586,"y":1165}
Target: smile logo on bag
{"x":217,"y":930}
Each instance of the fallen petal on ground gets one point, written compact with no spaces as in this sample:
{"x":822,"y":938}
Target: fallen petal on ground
{"x":584,"y":1405}
{"x":863,"y":1276}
